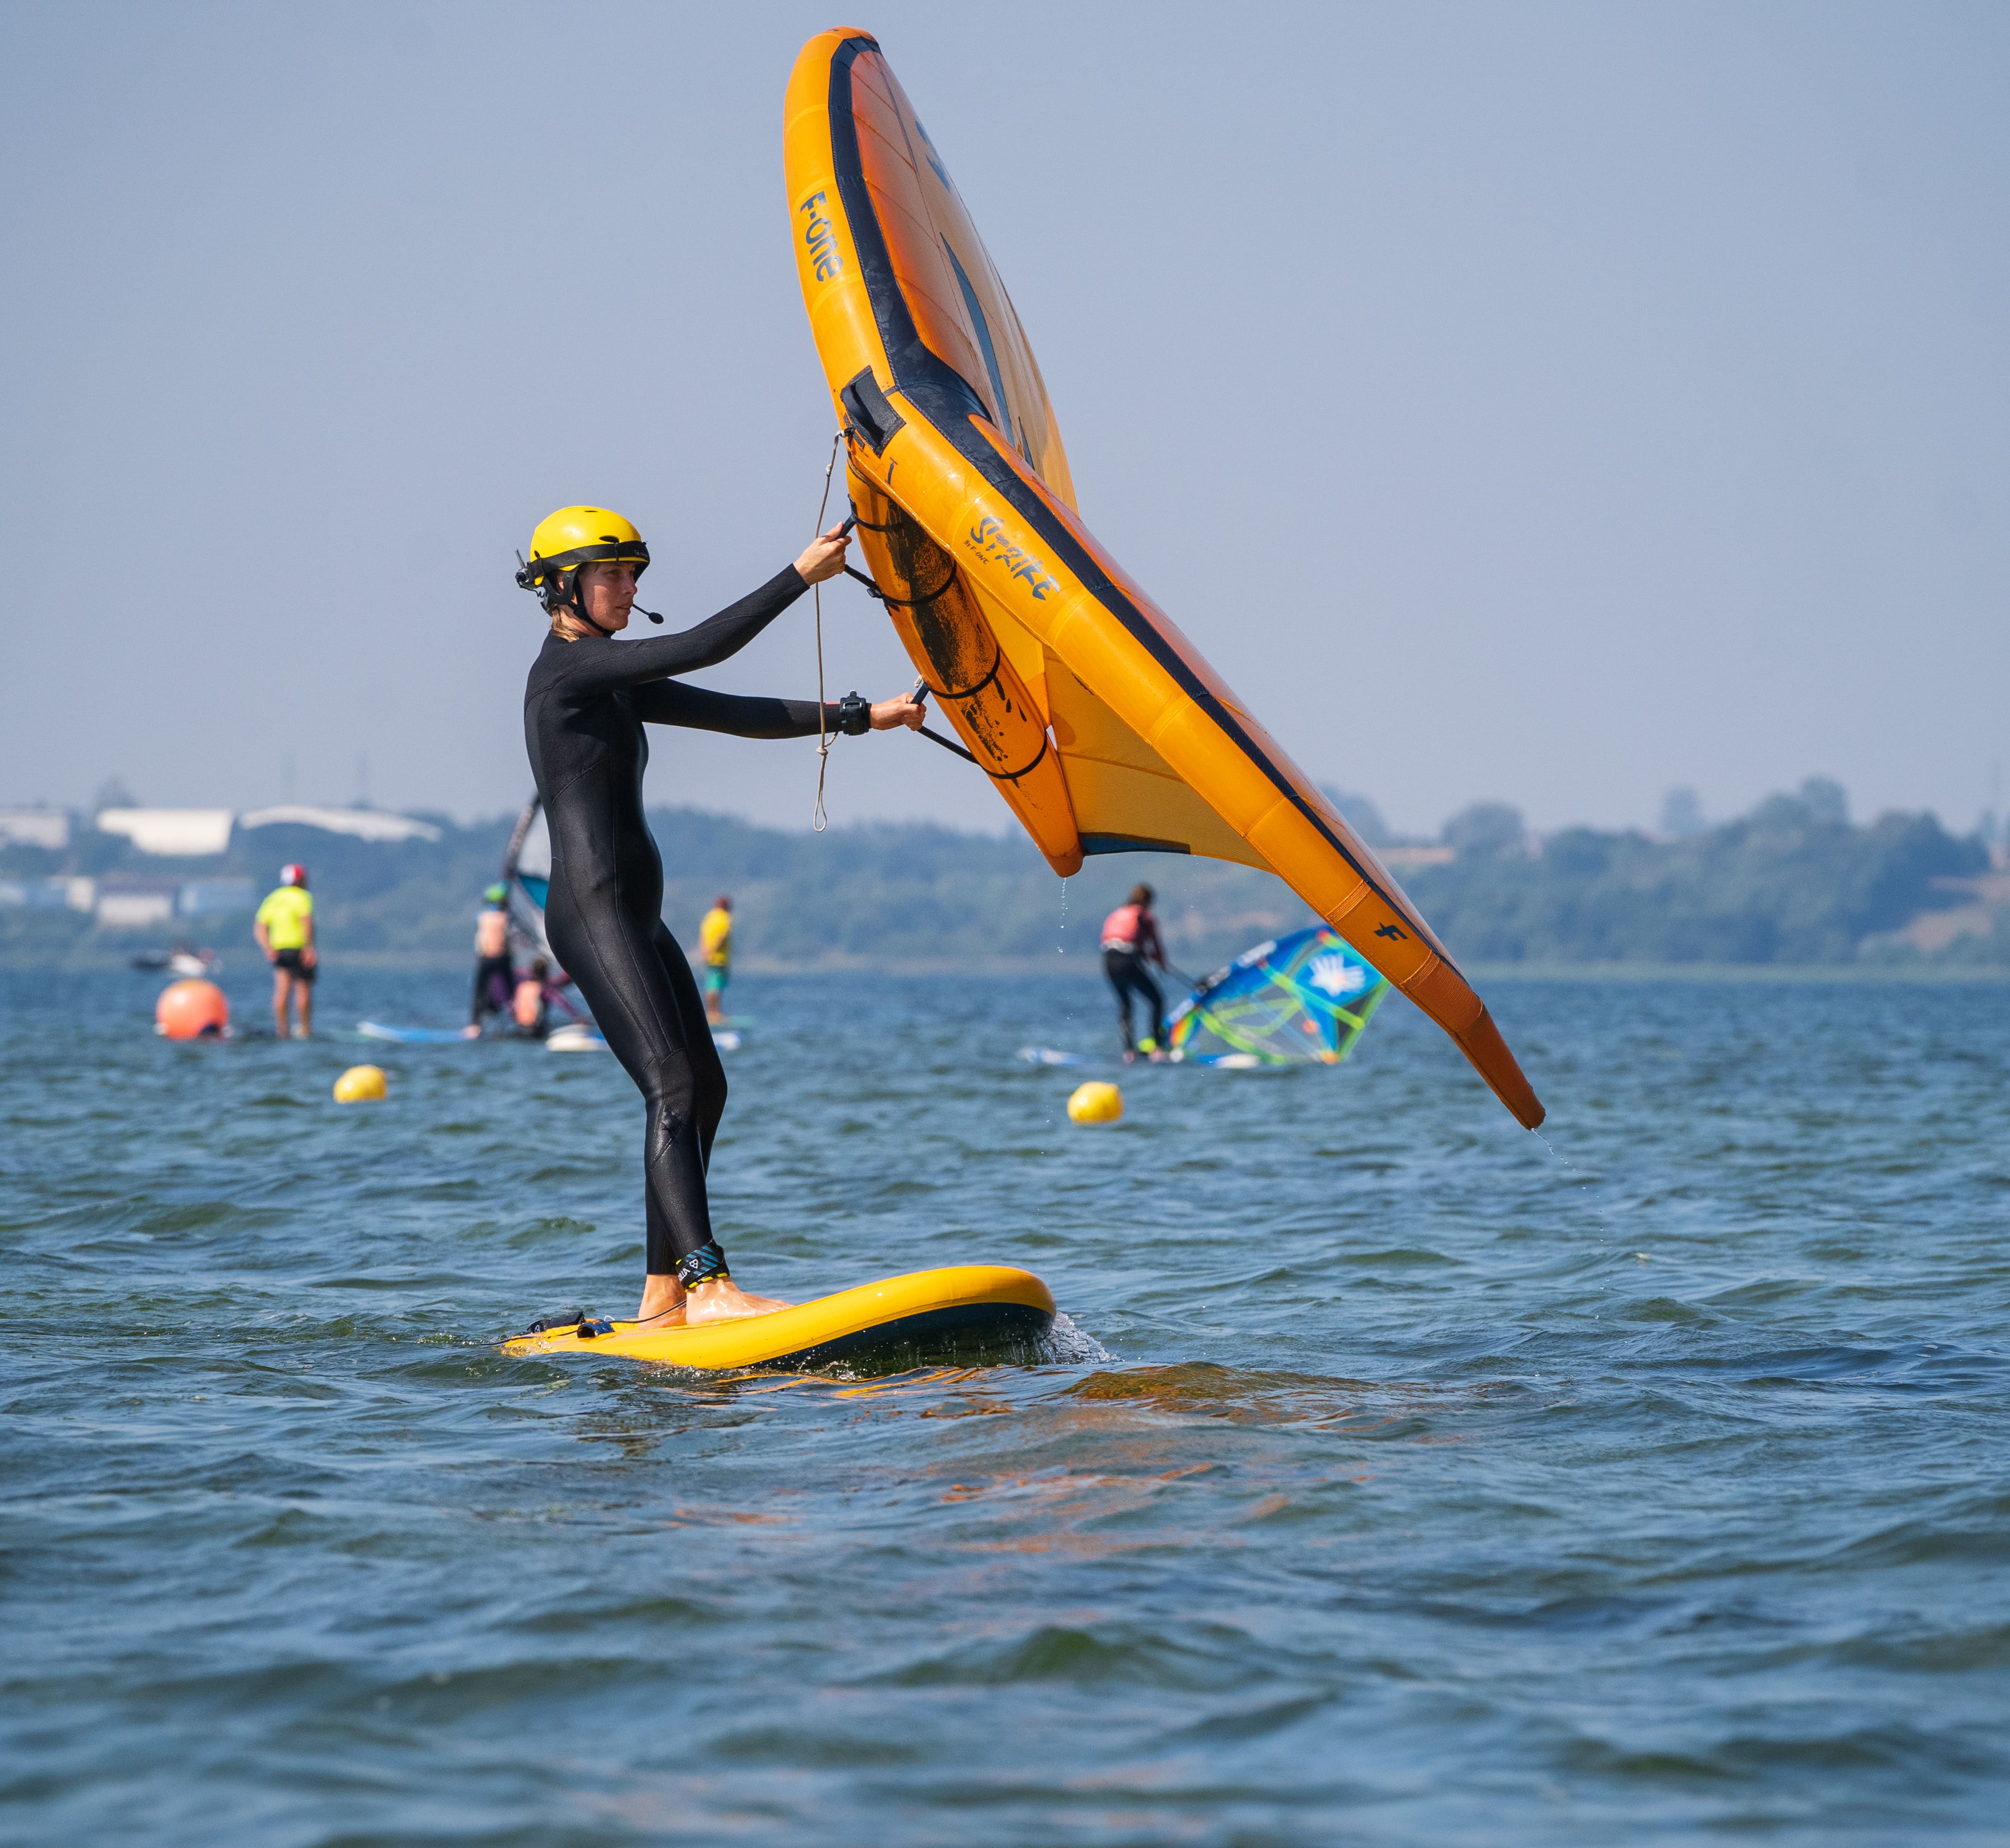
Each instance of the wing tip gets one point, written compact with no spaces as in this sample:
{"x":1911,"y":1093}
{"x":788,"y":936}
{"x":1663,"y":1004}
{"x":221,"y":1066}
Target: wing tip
{"x":1482,"y":1044}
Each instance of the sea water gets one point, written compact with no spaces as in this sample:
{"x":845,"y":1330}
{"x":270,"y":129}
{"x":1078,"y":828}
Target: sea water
{"x":1393,"y":1478}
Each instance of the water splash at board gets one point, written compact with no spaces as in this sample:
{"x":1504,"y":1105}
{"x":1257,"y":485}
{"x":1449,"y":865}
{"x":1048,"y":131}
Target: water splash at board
{"x":1067,"y":1343}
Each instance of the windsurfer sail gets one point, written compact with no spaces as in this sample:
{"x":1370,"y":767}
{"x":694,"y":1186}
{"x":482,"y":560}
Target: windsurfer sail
{"x":1099,"y":724}
{"x":527,"y":871}
{"x":1301,"y":999}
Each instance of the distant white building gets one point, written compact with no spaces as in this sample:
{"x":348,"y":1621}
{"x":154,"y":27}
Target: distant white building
{"x":364,"y":824}
{"x":49,"y":894}
{"x":34,"y":827}
{"x":183,"y":834}
{"x":124,"y":903}
{"x":206,"y":897}
{"x":194,"y":833}
{"x":133,"y":911}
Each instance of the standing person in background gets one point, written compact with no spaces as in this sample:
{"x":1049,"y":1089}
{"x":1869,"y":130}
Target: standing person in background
{"x":1131,"y":941}
{"x":284,"y":930}
{"x":495,"y":980}
{"x":531,"y":1004}
{"x":714,"y":936}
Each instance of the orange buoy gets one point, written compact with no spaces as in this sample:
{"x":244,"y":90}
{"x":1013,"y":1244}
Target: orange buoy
{"x":192,"y":1010}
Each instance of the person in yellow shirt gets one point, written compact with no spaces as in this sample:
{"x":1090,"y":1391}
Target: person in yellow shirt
{"x":284,"y":929}
{"x":714,"y":936}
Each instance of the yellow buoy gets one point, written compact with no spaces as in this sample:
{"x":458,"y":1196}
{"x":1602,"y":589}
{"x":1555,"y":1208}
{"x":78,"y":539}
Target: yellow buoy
{"x":1095,"y":1103}
{"x":360,"y":1084}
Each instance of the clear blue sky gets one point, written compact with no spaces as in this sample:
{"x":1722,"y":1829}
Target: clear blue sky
{"x":1552,"y":404}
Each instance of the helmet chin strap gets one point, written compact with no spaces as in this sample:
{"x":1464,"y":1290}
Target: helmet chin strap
{"x":576,"y":601}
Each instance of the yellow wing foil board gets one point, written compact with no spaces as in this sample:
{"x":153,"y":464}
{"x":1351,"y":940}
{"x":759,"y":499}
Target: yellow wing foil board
{"x":1100,"y":725}
{"x":967,"y":1304}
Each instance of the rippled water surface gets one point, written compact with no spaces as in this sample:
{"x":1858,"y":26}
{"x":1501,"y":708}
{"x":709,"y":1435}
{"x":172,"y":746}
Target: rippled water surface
{"x":1400,"y":1480}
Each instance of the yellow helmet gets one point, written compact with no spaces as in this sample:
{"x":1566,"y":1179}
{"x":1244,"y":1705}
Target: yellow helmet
{"x":573,"y":537}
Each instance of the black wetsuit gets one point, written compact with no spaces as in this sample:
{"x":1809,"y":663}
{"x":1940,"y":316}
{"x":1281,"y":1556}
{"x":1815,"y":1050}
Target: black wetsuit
{"x":583,"y":712}
{"x":1128,"y":974}
{"x":494,"y":977}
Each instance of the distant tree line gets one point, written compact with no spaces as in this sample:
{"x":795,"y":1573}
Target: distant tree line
{"x":1794,"y":881}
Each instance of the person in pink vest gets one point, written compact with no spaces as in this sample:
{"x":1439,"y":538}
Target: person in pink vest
{"x":1130,"y":945}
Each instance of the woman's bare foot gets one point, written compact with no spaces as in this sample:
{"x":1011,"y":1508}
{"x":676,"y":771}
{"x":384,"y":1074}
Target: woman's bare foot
{"x":663,"y":1302}
{"x":723,"y":1300}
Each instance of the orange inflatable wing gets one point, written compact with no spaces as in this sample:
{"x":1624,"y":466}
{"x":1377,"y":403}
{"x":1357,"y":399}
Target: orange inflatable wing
{"x":1099,"y":724}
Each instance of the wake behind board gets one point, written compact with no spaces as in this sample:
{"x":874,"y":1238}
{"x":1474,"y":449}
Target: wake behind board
{"x":577,"y":1037}
{"x":376,"y":1029}
{"x":1051,"y":1055}
{"x":961,"y":1306}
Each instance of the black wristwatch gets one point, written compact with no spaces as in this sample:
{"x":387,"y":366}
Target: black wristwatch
{"x":854,"y":715}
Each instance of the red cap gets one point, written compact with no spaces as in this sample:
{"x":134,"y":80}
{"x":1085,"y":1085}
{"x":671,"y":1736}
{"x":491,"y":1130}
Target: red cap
{"x":292,"y":874}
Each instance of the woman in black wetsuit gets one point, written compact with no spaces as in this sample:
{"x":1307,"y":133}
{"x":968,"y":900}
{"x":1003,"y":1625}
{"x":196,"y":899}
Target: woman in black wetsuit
{"x":584,"y":711}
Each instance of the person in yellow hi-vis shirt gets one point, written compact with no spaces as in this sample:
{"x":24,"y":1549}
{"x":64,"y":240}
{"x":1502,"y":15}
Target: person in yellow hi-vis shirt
{"x":284,"y":929}
{"x":714,"y":936}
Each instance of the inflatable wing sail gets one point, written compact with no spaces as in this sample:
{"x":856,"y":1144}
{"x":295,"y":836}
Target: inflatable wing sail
{"x":1300,"y":1000}
{"x":1100,"y":724}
